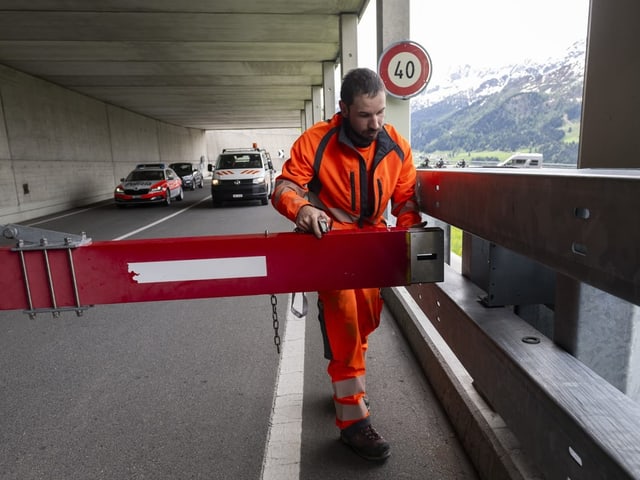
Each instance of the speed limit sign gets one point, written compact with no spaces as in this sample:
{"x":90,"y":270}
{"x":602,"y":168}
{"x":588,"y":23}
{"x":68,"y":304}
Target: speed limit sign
{"x":405,"y":69}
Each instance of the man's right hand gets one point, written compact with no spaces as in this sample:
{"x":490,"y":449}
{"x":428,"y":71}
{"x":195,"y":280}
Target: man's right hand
{"x":309,"y":218}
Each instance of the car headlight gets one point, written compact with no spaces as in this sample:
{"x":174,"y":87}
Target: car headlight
{"x":258,"y":180}
{"x":156,"y":189}
{"x":119,"y":189}
{"x":215,"y":181}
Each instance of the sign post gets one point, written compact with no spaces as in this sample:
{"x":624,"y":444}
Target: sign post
{"x":405,"y":69}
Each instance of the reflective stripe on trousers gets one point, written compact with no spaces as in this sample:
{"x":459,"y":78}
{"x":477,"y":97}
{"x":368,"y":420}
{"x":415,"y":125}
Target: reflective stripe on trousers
{"x":348,"y":398}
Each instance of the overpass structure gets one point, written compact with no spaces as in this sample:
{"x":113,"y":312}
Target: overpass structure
{"x":544,"y":314}
{"x":228,"y":64}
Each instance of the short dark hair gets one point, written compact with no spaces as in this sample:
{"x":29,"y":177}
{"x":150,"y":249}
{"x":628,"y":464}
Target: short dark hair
{"x":360,"y":81}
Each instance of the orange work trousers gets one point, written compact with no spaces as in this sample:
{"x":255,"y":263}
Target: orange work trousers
{"x":347,"y":317}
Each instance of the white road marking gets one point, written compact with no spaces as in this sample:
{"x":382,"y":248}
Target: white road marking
{"x":282,"y":452}
{"x":127,"y":235}
{"x":198,"y":269}
{"x":75,"y":212}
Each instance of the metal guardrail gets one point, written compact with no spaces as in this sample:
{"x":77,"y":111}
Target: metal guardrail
{"x":577,"y":222}
{"x":570,"y":421}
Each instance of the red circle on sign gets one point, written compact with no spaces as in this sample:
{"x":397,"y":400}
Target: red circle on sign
{"x":405,"y":69}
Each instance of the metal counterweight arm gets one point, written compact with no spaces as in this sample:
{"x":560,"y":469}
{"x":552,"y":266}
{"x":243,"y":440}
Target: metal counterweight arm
{"x":40,"y":242}
{"x":214,"y":266}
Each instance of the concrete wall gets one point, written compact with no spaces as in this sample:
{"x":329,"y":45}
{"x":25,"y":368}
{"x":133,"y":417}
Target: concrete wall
{"x":60,"y":149}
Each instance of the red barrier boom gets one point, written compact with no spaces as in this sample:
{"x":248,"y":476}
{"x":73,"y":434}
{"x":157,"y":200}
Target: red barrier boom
{"x":57,"y":277}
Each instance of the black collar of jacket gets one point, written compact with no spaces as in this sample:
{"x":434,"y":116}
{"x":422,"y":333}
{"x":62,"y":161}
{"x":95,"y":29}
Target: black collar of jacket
{"x":384,"y":143}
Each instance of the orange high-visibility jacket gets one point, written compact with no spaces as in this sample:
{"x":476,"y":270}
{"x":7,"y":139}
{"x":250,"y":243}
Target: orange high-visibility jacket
{"x":325,"y":170}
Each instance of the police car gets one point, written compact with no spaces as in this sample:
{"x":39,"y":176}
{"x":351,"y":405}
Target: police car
{"x":149,"y":183}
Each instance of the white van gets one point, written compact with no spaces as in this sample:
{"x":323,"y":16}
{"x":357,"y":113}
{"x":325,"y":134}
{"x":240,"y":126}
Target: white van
{"x":523,"y":160}
{"x":242,"y":174}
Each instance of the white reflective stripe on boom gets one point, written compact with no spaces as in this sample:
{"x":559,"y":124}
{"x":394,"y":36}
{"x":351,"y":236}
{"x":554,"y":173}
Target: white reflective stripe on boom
{"x":200,"y":269}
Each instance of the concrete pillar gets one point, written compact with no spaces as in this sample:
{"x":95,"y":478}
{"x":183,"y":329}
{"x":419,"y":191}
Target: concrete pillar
{"x":599,"y":329}
{"x":610,"y":121}
{"x":303,"y":121}
{"x":329,"y":85}
{"x":308,"y":114}
{"x":317,"y":103}
{"x":392,"y":27}
{"x":349,"y":42}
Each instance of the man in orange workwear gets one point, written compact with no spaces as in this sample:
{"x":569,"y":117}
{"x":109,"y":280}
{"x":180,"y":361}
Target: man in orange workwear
{"x":342,"y":173}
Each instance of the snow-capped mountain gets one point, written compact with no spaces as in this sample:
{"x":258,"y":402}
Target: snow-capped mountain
{"x":473,"y":83}
{"x":533,"y":106}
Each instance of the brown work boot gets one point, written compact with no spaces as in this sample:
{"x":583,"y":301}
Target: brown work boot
{"x":365,"y":441}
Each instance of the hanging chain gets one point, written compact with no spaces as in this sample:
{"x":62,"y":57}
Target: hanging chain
{"x":276,"y":323}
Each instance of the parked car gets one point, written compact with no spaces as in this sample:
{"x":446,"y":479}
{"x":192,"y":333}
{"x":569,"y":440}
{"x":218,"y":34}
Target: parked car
{"x":242,"y":174}
{"x":190,"y":175}
{"x":149,"y":183}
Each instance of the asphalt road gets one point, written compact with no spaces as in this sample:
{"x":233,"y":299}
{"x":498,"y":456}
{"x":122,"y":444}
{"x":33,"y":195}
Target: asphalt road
{"x":185,"y":389}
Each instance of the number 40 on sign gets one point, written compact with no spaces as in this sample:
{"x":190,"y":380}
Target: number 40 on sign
{"x":405,"y":69}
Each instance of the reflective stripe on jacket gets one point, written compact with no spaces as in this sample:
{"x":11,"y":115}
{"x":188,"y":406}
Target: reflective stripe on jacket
{"x":328,"y":172}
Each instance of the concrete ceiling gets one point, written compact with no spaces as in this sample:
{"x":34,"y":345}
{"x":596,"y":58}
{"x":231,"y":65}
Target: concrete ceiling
{"x":209,"y":64}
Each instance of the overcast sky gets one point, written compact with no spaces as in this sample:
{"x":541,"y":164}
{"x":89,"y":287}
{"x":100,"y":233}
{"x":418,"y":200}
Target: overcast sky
{"x":485,"y":33}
